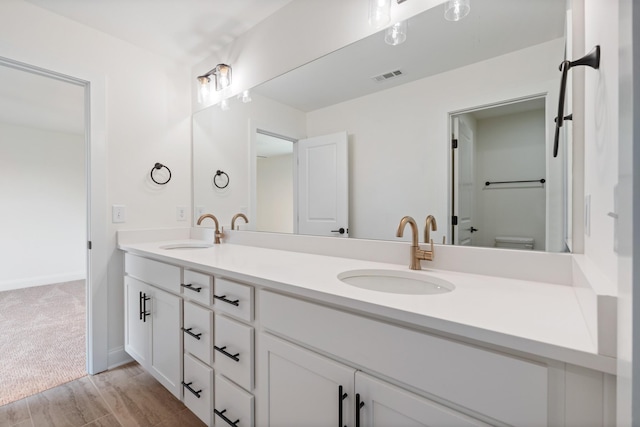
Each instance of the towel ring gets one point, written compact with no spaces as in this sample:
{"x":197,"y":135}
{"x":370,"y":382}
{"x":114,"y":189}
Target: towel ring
{"x":220,"y":173}
{"x":159,"y":166}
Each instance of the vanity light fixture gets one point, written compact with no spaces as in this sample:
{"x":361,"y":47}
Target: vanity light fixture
{"x":379,"y":13}
{"x":396,"y":34}
{"x":455,"y":10}
{"x":222,"y":75}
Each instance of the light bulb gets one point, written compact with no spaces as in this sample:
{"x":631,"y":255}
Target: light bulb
{"x":379,"y":13}
{"x":203,"y":90}
{"x":455,"y":10}
{"x":396,"y":34}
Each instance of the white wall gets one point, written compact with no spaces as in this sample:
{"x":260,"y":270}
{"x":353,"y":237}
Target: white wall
{"x":147,"y":115}
{"x":601,"y":134}
{"x":43,"y":215}
{"x":274,"y":210}
{"x":399,"y":138}
{"x":508,"y":148}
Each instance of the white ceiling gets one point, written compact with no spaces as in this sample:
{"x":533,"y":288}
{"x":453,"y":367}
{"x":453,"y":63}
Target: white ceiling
{"x":185,"y":30}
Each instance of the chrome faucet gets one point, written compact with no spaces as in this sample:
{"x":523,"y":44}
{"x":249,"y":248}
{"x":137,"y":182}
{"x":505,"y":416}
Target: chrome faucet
{"x":430,"y":225}
{"x":417,"y":254}
{"x":236,"y":216}
{"x":217,"y":234}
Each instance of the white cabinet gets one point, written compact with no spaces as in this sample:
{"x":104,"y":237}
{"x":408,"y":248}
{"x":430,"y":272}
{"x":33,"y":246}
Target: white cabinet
{"x":153,"y":322}
{"x":306,"y":389}
{"x":380,"y":404}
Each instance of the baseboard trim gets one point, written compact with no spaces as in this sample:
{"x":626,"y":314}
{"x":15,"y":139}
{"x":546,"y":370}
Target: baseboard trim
{"x":118,"y":357}
{"x":30,"y":282}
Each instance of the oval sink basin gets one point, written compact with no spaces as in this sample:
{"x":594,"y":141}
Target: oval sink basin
{"x":187,"y":246}
{"x":396,"y":282}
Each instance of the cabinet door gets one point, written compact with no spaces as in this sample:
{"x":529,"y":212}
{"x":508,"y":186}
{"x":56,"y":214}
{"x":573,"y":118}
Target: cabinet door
{"x":137,"y":326}
{"x":166,"y":339}
{"x":386,"y":405}
{"x":303,"y":388}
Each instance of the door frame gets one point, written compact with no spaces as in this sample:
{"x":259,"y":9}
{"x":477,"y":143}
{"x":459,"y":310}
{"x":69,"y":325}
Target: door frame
{"x":96,"y":205}
{"x":254,"y":129}
{"x":450,"y":117}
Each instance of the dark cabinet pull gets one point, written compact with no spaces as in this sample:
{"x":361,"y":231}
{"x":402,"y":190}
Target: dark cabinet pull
{"x":359,"y":405}
{"x":228,"y":421}
{"x":229,"y":355}
{"x":188,"y":331}
{"x":140,"y":306}
{"x":341,"y":396}
{"x":143,"y":306}
{"x":188,"y":387}
{"x":228,"y":301}
{"x":190,"y":286}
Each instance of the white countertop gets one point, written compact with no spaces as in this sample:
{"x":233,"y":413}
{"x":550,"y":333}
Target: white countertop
{"x":533,"y":317}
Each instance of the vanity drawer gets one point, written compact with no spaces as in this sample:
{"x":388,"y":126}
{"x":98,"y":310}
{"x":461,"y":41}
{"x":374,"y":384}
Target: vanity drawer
{"x":199,"y":378}
{"x":234,"y":299}
{"x":198,"y":332}
{"x":234,"y":350}
{"x":497,"y":385}
{"x":197,"y":287}
{"x":153,"y":272}
{"x":233,"y":404}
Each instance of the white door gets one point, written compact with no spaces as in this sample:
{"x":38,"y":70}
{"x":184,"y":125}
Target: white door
{"x":136,"y":329}
{"x":323,"y":193}
{"x":385,"y":405}
{"x":166,"y":339}
{"x":304,"y":388}
{"x":463,"y":182}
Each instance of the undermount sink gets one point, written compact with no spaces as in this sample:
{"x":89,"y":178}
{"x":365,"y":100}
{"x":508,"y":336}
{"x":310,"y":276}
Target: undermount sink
{"x":396,"y":282}
{"x":191,"y":245}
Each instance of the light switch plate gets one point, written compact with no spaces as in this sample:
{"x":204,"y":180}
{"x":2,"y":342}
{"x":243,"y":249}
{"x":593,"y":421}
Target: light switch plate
{"x":118,"y":213}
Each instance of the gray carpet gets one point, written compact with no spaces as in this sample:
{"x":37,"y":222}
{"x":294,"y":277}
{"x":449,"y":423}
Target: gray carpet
{"x":42,"y":338}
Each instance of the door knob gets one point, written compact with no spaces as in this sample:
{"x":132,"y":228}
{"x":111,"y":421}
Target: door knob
{"x":339,"y":230}
{"x":472,"y":229}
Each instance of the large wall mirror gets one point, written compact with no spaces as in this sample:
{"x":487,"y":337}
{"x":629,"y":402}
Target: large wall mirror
{"x":350,"y":143}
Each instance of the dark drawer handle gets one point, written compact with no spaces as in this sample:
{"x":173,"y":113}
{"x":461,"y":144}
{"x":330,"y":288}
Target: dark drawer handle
{"x":228,"y":301}
{"x":229,"y":355}
{"x":188,"y":387}
{"x":228,"y":421}
{"x":188,"y":331}
{"x":190,"y":286}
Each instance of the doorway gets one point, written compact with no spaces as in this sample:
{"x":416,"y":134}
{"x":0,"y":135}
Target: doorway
{"x":499,"y":176}
{"x":275,"y":183}
{"x":65,"y":172}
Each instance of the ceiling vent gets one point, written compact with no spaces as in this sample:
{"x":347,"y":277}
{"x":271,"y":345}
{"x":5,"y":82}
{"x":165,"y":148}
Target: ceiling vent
{"x":387,"y":76}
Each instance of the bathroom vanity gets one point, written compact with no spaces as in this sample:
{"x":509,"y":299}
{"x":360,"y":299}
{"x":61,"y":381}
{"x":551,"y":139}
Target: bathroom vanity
{"x":247,"y":335}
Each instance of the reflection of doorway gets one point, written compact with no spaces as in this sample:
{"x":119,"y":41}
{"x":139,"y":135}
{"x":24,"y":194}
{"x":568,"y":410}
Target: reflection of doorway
{"x":498,"y":178}
{"x":274,"y":183}
{"x":44,"y":229}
